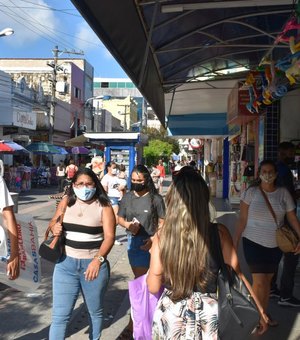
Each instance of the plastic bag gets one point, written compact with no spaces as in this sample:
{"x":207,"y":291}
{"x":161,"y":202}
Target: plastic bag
{"x":30,"y":267}
{"x":143,"y":305}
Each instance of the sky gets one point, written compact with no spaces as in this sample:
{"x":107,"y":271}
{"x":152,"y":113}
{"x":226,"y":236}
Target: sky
{"x":40,"y":25}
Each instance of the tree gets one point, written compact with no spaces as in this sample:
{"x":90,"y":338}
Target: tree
{"x":161,"y":134}
{"x":157,"y":149}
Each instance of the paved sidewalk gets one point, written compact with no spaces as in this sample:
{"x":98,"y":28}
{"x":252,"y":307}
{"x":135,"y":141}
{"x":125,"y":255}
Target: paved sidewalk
{"x":24,"y":317}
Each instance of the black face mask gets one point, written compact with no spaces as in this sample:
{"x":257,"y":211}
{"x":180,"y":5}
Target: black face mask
{"x":138,"y":186}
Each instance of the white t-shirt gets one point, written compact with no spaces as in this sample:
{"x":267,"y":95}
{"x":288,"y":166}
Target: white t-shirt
{"x":5,"y":198}
{"x":112,"y":183}
{"x":261,"y":227}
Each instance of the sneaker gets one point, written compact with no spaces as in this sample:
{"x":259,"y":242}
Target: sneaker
{"x":289,"y":302}
{"x":118,"y":243}
{"x":274,"y":293}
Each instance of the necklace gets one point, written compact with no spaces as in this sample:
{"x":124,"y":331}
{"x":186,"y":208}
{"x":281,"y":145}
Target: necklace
{"x":80,"y":213}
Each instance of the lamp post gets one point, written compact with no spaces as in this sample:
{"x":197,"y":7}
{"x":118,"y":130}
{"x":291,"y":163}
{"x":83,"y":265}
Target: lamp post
{"x":6,"y":32}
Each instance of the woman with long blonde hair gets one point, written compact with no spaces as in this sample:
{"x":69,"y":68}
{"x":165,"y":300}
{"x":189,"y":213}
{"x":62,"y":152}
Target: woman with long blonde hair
{"x":184,"y":258}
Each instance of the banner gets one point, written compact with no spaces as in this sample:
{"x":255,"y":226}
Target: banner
{"x":30,"y":266}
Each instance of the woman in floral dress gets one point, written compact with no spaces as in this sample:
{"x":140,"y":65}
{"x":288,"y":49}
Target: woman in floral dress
{"x":184,"y":258}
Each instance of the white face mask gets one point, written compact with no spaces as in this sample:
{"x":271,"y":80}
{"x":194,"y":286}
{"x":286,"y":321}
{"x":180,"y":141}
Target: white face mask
{"x":114,"y":171}
{"x":267,"y":178}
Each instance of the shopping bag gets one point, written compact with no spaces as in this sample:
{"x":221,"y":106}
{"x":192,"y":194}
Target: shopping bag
{"x":30,"y":266}
{"x":143,"y":305}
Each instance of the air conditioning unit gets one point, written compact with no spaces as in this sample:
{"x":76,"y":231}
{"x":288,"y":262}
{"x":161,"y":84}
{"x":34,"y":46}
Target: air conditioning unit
{"x":61,"y":87}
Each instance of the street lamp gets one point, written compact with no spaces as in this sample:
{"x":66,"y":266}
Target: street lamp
{"x":6,"y":31}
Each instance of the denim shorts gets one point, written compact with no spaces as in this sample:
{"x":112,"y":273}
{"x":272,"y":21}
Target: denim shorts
{"x":114,"y":200}
{"x":137,"y":257}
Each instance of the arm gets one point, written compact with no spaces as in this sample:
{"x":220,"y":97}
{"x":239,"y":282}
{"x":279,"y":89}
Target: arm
{"x":109,"y":229}
{"x":294,"y":222}
{"x":55,"y":223}
{"x":231,"y":259}
{"x":11,"y":225}
{"x":132,"y":227}
{"x":154,"y":278}
{"x":241,"y":224}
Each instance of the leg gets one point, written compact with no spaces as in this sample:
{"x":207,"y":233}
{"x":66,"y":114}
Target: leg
{"x":261,"y":286}
{"x":290,"y":262}
{"x":93,"y":294}
{"x":66,"y":288}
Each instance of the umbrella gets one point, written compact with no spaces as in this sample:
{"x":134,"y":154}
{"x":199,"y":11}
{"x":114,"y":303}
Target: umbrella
{"x":95,"y":152}
{"x":10,"y":147}
{"x":76,"y":150}
{"x":62,"y":150}
{"x":43,"y":148}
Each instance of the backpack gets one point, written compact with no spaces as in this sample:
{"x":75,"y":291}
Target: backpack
{"x":72,"y":169}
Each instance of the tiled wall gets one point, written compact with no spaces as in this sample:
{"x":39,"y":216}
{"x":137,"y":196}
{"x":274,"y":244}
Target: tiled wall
{"x":271,"y":140}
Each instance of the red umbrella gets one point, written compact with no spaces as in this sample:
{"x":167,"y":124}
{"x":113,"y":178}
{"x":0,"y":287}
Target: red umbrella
{"x":5,"y":148}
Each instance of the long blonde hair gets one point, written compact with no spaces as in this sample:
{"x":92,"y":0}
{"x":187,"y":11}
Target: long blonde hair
{"x":184,"y":239}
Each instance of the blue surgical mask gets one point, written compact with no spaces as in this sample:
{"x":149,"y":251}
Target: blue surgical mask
{"x":84,"y":193}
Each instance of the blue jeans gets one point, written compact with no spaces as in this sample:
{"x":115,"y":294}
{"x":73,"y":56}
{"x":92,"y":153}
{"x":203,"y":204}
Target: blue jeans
{"x":68,"y":281}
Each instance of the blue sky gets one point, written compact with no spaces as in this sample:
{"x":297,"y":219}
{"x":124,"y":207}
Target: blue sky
{"x":40,"y":25}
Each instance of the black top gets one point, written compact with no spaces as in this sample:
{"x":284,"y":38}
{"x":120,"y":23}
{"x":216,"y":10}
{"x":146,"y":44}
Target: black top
{"x":140,"y":207}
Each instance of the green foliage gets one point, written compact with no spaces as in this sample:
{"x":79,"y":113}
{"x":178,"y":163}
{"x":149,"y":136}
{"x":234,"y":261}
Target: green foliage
{"x":156,"y":150}
{"x":161,"y":134}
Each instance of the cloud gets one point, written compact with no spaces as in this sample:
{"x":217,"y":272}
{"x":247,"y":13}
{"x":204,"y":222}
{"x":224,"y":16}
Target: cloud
{"x":30,"y":22}
{"x":88,"y":41}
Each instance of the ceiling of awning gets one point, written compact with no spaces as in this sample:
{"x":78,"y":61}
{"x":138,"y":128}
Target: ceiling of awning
{"x":181,"y":53}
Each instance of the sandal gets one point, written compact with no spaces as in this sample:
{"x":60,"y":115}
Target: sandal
{"x":126,"y":334}
{"x":271,"y":322}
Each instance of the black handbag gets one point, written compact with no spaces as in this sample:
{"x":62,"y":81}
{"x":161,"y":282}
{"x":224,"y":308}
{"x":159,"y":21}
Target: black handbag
{"x":52,"y":248}
{"x":238,"y":313}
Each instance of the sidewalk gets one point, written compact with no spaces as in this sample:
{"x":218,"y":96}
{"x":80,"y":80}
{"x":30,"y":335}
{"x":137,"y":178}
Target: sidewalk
{"x":25,"y":317}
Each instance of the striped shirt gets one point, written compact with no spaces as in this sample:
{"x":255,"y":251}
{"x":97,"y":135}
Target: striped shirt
{"x":83,"y":229}
{"x":261,"y":227}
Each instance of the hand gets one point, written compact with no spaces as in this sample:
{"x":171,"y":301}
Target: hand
{"x":297,"y":249}
{"x":92,"y":271}
{"x":56,"y":229}
{"x":134,"y":227}
{"x":147,"y":245}
{"x":13,"y":269}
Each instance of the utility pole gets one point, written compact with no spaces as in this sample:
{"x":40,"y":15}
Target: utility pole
{"x":54,"y":64}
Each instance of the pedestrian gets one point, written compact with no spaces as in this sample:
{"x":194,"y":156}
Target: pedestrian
{"x":185,"y":260}
{"x":141,"y":212}
{"x":155,"y":174}
{"x":162,"y":175}
{"x":9,"y":222}
{"x":285,"y":178}
{"x":97,"y":165}
{"x":89,"y":231}
{"x":257,"y":227}
{"x":71,"y":169}
{"x":114,"y":186}
{"x":60,"y":175}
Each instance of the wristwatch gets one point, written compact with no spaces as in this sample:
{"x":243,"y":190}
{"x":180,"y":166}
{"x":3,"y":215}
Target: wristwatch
{"x":100,"y":258}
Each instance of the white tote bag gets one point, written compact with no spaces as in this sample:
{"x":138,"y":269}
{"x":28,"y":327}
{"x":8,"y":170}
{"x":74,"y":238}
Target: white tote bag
{"x":30,"y":266}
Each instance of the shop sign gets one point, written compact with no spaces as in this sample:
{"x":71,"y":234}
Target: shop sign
{"x":25,"y":119}
{"x":237,"y":112}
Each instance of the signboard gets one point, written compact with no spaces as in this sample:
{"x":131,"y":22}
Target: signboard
{"x":24,"y":119}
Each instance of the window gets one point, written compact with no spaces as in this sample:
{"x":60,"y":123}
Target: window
{"x":97,"y":85}
{"x":104,"y":85}
{"x":77,"y":92}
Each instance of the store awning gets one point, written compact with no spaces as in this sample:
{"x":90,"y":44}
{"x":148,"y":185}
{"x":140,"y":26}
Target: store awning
{"x":164,"y":45}
{"x":77,"y":141}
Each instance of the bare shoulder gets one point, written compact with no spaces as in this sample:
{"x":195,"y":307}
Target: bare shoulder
{"x":224,"y":233}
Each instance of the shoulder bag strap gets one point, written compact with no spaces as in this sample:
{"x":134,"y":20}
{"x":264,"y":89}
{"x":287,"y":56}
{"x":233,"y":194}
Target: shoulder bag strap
{"x":269,"y":205}
{"x":60,"y":218}
{"x":224,"y":268}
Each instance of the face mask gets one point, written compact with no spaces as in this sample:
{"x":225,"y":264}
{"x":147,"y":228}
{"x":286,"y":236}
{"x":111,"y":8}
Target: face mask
{"x":138,"y":186}
{"x":267,"y":178}
{"x":114,"y":171}
{"x":84,"y":193}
